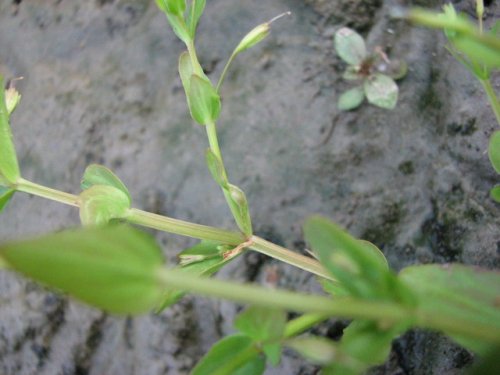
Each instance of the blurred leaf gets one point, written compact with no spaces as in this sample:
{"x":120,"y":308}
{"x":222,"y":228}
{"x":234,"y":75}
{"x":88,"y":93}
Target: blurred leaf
{"x":351,"y":73}
{"x":494,"y":150}
{"x":99,"y":175}
{"x":318,"y":350}
{"x":334,"y":288}
{"x":351,"y":99}
{"x":233,"y":355}
{"x":350,"y":46}
{"x":265,"y":326}
{"x":477,"y":51}
{"x":204,"y":102}
{"x":9,"y":167}
{"x":101,"y":203}
{"x":488,"y":364}
{"x":12,"y":99}
{"x":216,"y":169}
{"x":195,"y":13}
{"x":381,"y":91}
{"x":185,"y":70}
{"x":495,"y":193}
{"x":459,"y":292}
{"x":112,"y":268}
{"x":5,"y":196}
{"x":173,"y":7}
{"x":239,"y":208}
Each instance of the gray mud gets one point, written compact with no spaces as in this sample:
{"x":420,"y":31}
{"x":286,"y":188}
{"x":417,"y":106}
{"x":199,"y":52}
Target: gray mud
{"x":101,"y":86}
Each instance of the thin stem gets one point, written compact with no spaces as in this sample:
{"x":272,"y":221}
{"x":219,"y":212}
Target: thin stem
{"x":303,"y":323}
{"x":224,"y":71}
{"x":194,"y":59}
{"x":46,"y":192}
{"x":492,"y":97}
{"x":290,"y":257}
{"x":184,"y":228}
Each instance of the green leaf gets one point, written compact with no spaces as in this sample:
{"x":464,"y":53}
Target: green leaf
{"x":173,"y":7}
{"x":476,"y":50}
{"x":5,"y":196}
{"x":459,"y":292}
{"x":494,"y":151}
{"x":495,"y":193}
{"x":318,"y":350}
{"x":99,"y":175}
{"x":197,"y":7}
{"x":178,"y":26}
{"x":101,"y":203}
{"x":204,"y":102}
{"x":351,"y":73}
{"x":265,"y":326}
{"x":9,"y":167}
{"x":351,"y":99}
{"x":239,"y":208}
{"x":216,"y":169}
{"x":235,"y":354}
{"x":350,"y":46}
{"x":185,"y":70}
{"x":382,"y":91}
{"x":112,"y":268}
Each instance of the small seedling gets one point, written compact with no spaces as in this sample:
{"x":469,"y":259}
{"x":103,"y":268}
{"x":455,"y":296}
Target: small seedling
{"x":375,"y":71}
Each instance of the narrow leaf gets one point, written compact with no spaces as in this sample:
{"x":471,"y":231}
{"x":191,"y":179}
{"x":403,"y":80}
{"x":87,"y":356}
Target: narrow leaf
{"x":350,"y":46}
{"x":101,"y":203}
{"x":111,"y":268}
{"x":494,"y":151}
{"x":318,"y":350}
{"x":197,"y":8}
{"x":351,"y":99}
{"x":9,"y":167}
{"x":216,"y":169}
{"x":382,"y":91}
{"x":5,"y":196}
{"x":99,"y":175}
{"x":204,"y":102}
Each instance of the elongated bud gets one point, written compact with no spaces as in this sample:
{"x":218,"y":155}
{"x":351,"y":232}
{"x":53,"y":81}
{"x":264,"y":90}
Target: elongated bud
{"x":257,"y":34}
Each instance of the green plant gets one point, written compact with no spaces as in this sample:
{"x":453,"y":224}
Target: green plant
{"x":375,"y":71}
{"x":117,"y":268}
{"x":478,"y":50}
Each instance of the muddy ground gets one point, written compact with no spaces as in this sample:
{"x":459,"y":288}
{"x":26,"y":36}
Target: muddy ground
{"x":100,"y":86}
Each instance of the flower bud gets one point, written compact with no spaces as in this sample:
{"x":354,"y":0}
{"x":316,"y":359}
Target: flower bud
{"x":12,"y":98}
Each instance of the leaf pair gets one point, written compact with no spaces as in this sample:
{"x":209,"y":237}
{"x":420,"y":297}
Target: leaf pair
{"x":245,"y":353}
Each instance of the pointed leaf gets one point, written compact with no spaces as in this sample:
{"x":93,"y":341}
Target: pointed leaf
{"x":173,"y":7}
{"x":351,"y":99}
{"x":495,"y":193}
{"x":101,"y":203}
{"x":9,"y":167}
{"x":381,"y":91}
{"x":235,"y":354}
{"x":5,"y":196}
{"x":494,"y":151}
{"x":99,"y":175}
{"x":204,"y":102}
{"x":350,"y":46}
{"x":197,"y":8}
{"x":112,"y":268}
{"x":216,"y":169}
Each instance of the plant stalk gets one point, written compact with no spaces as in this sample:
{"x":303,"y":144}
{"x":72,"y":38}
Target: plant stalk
{"x":492,"y":97}
{"x":303,"y":323}
{"x":46,"y":192}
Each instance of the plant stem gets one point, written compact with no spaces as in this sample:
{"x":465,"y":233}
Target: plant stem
{"x":492,"y":97}
{"x":287,"y":256}
{"x":302,"y":323}
{"x":46,"y":192}
{"x":224,"y":71}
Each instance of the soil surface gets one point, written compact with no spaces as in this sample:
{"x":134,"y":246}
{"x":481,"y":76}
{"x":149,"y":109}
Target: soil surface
{"x":100,"y":86}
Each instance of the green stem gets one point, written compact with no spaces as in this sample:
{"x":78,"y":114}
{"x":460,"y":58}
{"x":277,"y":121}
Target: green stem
{"x":194,"y":59}
{"x":303,"y":323}
{"x":45,"y":192}
{"x":224,"y":71}
{"x":290,"y":257}
{"x":492,"y":97}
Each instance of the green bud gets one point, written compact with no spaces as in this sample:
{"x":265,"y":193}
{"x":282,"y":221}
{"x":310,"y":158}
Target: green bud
{"x":12,"y":99}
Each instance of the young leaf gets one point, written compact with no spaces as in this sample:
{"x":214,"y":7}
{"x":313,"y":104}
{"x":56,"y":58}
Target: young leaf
{"x":351,"y":99}
{"x":204,"y":102}
{"x":99,"y":175}
{"x":9,"y":167}
{"x":495,"y":193}
{"x":216,"y":169}
{"x":197,"y":7}
{"x":239,"y":208}
{"x":382,"y":91}
{"x":494,"y":151}
{"x":111,"y":268}
{"x":185,"y":70}
{"x":265,"y":326}
{"x":350,"y":46}
{"x":101,"y":203}
{"x":173,"y":7}
{"x":463,"y":293}
{"x":5,"y":196}
{"x":318,"y":350}
{"x":233,"y":355}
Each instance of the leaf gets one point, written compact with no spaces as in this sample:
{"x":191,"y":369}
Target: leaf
{"x":173,"y":7}
{"x":350,"y":46}
{"x":382,"y":91}
{"x":239,"y":207}
{"x":185,"y":70}
{"x":111,"y":268}
{"x":235,"y":354}
{"x":216,"y":169}
{"x":197,"y":8}
{"x":101,"y":203}
{"x":458,"y":292}
{"x":178,"y":26}
{"x":495,"y":193}
{"x":318,"y":350}
{"x":351,"y":99}
{"x":352,"y":73}
{"x":204,"y":102}
{"x":494,"y":150}
{"x":476,"y":50}
{"x":99,"y":175}
{"x":5,"y":196}
{"x":265,"y":326}
{"x":9,"y":167}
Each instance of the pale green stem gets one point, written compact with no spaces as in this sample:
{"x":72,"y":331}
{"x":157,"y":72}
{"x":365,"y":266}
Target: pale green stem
{"x":45,"y":192}
{"x":224,"y":71}
{"x":492,"y":97}
{"x":303,"y":323}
